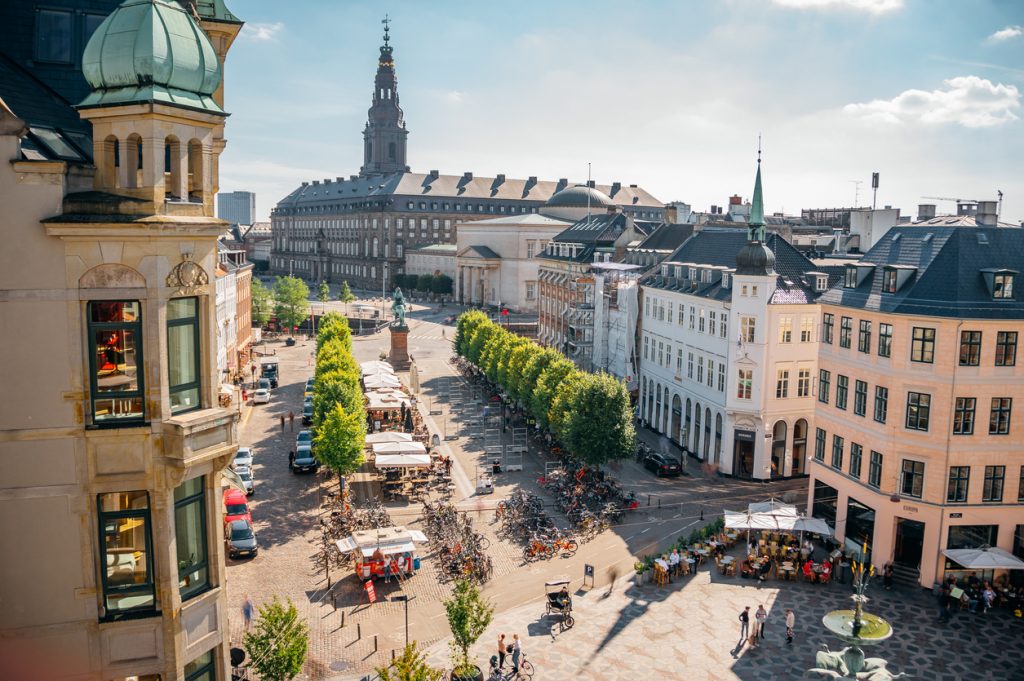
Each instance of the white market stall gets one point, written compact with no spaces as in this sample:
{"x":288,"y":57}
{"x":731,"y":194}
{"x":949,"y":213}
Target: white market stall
{"x":376,"y":367}
{"x":385,"y":399}
{"x":984,"y":558}
{"x":388,"y":436}
{"x":399,"y":448}
{"x":402,"y":461}
{"x":382,"y":380}
{"x":383,"y":551}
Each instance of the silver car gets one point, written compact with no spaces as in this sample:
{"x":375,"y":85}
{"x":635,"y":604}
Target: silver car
{"x":245,"y":474}
{"x":243,"y":458}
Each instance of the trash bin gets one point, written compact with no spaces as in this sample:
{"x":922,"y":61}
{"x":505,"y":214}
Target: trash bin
{"x":416,"y":563}
{"x":844,"y":572}
{"x":496,"y":466}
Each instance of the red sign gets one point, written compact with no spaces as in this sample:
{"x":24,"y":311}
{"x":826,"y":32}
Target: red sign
{"x":370,"y":591}
{"x":504,"y":312}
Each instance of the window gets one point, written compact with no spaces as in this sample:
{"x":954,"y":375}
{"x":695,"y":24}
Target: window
{"x":864,"y":336}
{"x":803,"y":383}
{"x":753,"y":290}
{"x":1006,"y":348}
{"x":693,"y":317}
{"x":860,"y":398}
{"x":889,"y":280}
{"x":700,"y":369}
{"x":661,"y":353}
{"x":681,"y":314}
{"x":918,"y":408}
{"x":1020,"y":486}
{"x":190,"y":536}
{"x":824,"y":380}
{"x":646,"y":346}
{"x":747,"y":329}
{"x":845,"y":332}
{"x":806,"y":329}
{"x":1002,"y":286}
{"x":679,"y":361}
{"x":963,"y":416}
{"x":126,"y":554}
{"x":959,"y":480}
{"x":992,"y":490}
{"x":782,"y":384}
{"x":856,"y":454}
{"x":530,"y":246}
{"x":669,"y":315}
{"x":819,"y":445}
{"x":999,"y":418}
{"x":689,"y":366}
{"x":828,"y":321}
{"x":202,"y":668}
{"x":183,"y":370}
{"x":53,"y":36}
{"x":745,"y":384}
{"x":531,"y":290}
{"x":115,"y":361}
{"x":923,"y":345}
{"x":837,"y":452}
{"x":850,"y":281}
{"x":913,"y":478}
{"x":711,"y":373}
{"x":712,"y":322}
{"x":842,"y":391}
{"x":701,"y":322}
{"x":724,"y":329}
{"x":875,"y":470}
{"x":721,"y":377}
{"x":881,"y":403}
{"x":885,"y":340}
{"x":785,"y":329}
{"x":970,"y":348}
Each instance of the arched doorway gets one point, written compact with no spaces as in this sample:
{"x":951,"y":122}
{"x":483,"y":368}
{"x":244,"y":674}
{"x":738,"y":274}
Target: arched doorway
{"x":696,"y":430}
{"x":799,"y":447}
{"x":686,"y":426}
{"x":650,"y":404}
{"x":778,"y":448}
{"x":707,"y":433}
{"x":643,"y":397}
{"x":657,"y":409}
{"x":718,"y":438}
{"x":677,"y":419}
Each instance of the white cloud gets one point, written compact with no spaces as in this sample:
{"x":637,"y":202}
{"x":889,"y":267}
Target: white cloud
{"x":869,"y":6}
{"x":262,"y":32}
{"x":1004,"y":34}
{"x":969,"y":101}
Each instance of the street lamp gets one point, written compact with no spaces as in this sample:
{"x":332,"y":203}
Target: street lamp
{"x":403,"y":598}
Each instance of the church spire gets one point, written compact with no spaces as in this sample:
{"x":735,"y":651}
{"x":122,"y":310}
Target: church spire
{"x":755,"y":225}
{"x":755,"y":258}
{"x":384,"y":137}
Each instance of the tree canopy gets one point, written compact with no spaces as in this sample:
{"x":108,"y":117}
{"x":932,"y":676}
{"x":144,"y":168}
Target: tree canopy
{"x":323,"y":293}
{"x":340,"y":440}
{"x":262,"y":303}
{"x":278,"y":642}
{"x":291,"y":301}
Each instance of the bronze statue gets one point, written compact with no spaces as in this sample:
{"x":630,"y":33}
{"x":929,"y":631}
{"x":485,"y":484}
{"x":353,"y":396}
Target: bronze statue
{"x":398,"y":309}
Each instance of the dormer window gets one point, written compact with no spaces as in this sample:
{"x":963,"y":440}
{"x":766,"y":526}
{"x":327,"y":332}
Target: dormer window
{"x":1002,"y":286}
{"x":889,"y":280}
{"x":692,"y":273}
{"x":664,"y":270}
{"x":725,"y":280}
{"x":851,"y":277}
{"x":820,"y":282}
{"x":705,"y":276}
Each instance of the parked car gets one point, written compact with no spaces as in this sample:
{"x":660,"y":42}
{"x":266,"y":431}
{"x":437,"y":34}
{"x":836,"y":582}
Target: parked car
{"x":661,"y":464}
{"x":241,"y":539}
{"x":304,"y":438}
{"x":243,"y":459}
{"x":303,"y":460}
{"x":245,"y":474}
{"x":261,"y":396}
{"x":307,"y":414}
{"x":264,"y":383}
{"x":235,"y":506}
{"x":309,"y":383}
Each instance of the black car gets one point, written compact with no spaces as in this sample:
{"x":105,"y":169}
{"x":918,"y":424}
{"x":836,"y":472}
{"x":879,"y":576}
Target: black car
{"x":662,"y":465}
{"x":303,"y":460}
{"x":241,"y":539}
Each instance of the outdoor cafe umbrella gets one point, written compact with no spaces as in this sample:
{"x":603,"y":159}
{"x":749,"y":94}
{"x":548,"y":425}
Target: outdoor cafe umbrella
{"x":773,"y":507}
{"x":388,"y":436}
{"x":984,"y":557}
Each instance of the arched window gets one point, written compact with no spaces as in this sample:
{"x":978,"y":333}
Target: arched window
{"x":686,"y":425}
{"x":134,"y":160}
{"x":718,"y":438}
{"x":392,"y":151}
{"x":196,"y":177}
{"x":172,"y":168}
{"x":707,"y":433}
{"x":375,"y":246}
{"x":111,"y":161}
{"x":799,"y":447}
{"x":696,"y":430}
{"x":778,"y":448}
{"x":657,"y":410}
{"x":643,"y":396}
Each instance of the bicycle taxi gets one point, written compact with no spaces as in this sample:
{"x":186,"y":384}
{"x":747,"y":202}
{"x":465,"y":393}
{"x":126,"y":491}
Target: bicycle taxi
{"x":558,"y":601}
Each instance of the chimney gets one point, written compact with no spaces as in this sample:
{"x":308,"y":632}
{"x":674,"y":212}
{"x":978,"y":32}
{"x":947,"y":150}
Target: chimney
{"x":434,"y":174}
{"x":987,"y":214}
{"x":316,"y":182}
{"x":339,"y":179}
{"x":925,"y":211}
{"x":499,"y":179}
{"x":966,"y":208}
{"x":467,"y":176}
{"x":671,"y":213}
{"x":714,"y":210}
{"x":735,"y":200}
{"x":353,"y":178}
{"x":838,"y":245}
{"x":616,"y":186}
{"x":531,"y":180}
{"x":591,"y":183}
{"x":562,"y":184}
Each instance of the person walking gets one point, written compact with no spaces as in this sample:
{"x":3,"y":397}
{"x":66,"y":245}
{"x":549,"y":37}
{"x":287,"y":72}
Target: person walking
{"x":501,"y":651}
{"x":282,"y":423}
{"x":517,"y":652}
{"x":887,"y":574}
{"x":744,"y":623}
{"x":761,"y":616}
{"x":291,"y":421}
{"x":790,"y":621}
{"x":248,"y":610}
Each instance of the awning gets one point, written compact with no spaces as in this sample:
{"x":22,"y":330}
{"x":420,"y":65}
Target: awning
{"x":387,"y":540}
{"x":984,"y":558}
{"x":402,"y":461}
{"x":381,"y":380}
{"x":376,"y":367}
{"x":388,"y":436}
{"x":386,"y":398}
{"x":738,"y":520}
{"x":406,"y":447}
{"x":774,"y":507}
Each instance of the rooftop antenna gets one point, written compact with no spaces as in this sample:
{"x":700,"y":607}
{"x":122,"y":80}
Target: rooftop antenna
{"x":999,"y":210}
{"x":856,"y":191}
{"x":387,"y":27}
{"x":874,"y":191}
{"x":588,"y":192}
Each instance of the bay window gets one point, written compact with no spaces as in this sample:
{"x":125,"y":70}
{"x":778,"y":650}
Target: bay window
{"x":126,"y":554}
{"x":190,"y":537}
{"x":115,"y":362}
{"x":183,"y":370}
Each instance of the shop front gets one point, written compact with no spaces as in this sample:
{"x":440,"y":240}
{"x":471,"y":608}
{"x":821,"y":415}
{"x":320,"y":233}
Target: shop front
{"x":743,"y":453}
{"x":860,"y":529}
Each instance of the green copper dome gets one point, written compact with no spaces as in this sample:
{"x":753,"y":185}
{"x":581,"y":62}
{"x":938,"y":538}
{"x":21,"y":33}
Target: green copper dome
{"x":151,"y":51}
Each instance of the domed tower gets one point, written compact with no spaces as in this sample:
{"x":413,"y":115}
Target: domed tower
{"x":384,"y":137}
{"x":155,"y":78}
{"x":756,"y":259}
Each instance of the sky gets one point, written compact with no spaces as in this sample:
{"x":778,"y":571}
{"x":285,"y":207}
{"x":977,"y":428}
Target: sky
{"x":668,"y":94}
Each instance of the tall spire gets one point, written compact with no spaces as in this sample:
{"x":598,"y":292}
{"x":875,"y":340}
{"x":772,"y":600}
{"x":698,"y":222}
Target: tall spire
{"x":755,"y":225}
{"x":384,"y":137}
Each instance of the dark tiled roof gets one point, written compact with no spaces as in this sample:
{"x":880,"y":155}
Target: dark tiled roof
{"x":481,"y":251}
{"x":596,"y":229}
{"x":666,"y":237}
{"x":947,"y":279}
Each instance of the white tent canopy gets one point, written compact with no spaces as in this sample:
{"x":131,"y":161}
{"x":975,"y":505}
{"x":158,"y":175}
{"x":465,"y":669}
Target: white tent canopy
{"x":773,"y":507}
{"x":376,"y":367}
{"x":381,"y":380}
{"x":386,"y":398}
{"x":402,"y":461}
{"x":388,"y":436}
{"x":984,"y":558}
{"x":738,"y":520}
{"x":399,"y":447}
{"x":387,"y":540}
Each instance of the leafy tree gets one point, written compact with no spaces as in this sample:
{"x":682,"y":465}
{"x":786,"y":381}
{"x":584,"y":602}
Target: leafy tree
{"x":340,"y":440}
{"x":597,"y":425}
{"x":332,"y":389}
{"x":481,"y":335}
{"x":466,"y":324}
{"x":262,"y":304}
{"x":442,"y":284}
{"x":423,"y":282}
{"x":547,"y":387}
{"x":291,"y":296}
{"x":334,"y":327}
{"x":278,"y":642}
{"x":411,"y":665}
{"x":535,"y":366}
{"x":491,"y":352}
{"x":504,"y":373}
{"x":564,"y":401}
{"x":345,"y":295}
{"x":323,"y":294}
{"x":469,"y":614}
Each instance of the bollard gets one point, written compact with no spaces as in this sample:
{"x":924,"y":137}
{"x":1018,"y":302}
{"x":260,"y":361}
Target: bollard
{"x":702,"y":514}
{"x":648,"y":499}
{"x":359,"y":631}
{"x":342,"y":619}
{"x":659,"y":502}
{"x":375,"y":643}
{"x":392,"y":654}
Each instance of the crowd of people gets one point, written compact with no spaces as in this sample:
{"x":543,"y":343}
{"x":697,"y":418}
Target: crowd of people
{"x":978,"y":596}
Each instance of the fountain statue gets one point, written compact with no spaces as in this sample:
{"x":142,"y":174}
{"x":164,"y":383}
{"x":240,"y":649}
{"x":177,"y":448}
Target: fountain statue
{"x":398,"y":308}
{"x":399,"y":330}
{"x":855,"y":628}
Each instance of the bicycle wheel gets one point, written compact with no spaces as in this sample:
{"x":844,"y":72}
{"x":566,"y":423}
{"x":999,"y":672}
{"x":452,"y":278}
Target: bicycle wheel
{"x":526,"y":667}
{"x":571,"y":547}
{"x":568,"y":621}
{"x":485,"y":543}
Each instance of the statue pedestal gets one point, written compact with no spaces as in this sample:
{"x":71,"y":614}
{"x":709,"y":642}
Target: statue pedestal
{"x":399,"y":355}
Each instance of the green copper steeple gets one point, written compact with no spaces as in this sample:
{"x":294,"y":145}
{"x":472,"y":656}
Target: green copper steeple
{"x":755,"y":225}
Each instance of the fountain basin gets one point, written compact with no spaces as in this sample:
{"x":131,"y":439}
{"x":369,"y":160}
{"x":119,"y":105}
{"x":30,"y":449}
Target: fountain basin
{"x":873,"y":629}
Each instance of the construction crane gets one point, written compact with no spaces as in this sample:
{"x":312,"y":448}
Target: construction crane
{"x":948,"y":198}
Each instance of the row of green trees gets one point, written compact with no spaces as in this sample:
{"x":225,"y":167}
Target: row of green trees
{"x":288,"y":300}
{"x":339,"y":415}
{"x":441,"y":284}
{"x":590,"y":414}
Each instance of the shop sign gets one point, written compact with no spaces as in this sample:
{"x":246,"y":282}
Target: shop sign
{"x":370,"y":591}
{"x":956,"y":515}
{"x":744,"y":435}
{"x":912,"y":509}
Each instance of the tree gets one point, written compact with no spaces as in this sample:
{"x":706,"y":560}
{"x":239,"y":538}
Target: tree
{"x":563,"y":404}
{"x":345,"y":295}
{"x":469,"y":614}
{"x":504,"y":373}
{"x":597,"y":424}
{"x":465,"y":326}
{"x":262,"y":304}
{"x":324,"y":292}
{"x":423,"y":282}
{"x":340,"y":440}
{"x":442,"y":284}
{"x":547,"y":387}
{"x":536,"y":366}
{"x":517,"y":363}
{"x":291,"y":296}
{"x":411,"y":665}
{"x":278,"y":643}
{"x":481,"y":335}
{"x":334,"y":388}
{"x":334,"y":327}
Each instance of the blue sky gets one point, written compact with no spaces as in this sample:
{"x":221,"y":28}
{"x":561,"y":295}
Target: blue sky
{"x":670,"y":95}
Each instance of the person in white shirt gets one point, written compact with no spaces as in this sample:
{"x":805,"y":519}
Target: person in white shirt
{"x":790,"y":621}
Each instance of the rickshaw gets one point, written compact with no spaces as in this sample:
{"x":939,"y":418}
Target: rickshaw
{"x":558,"y":601}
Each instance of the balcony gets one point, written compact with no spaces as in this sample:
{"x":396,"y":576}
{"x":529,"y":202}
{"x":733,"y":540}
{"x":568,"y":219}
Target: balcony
{"x":192,"y":438}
